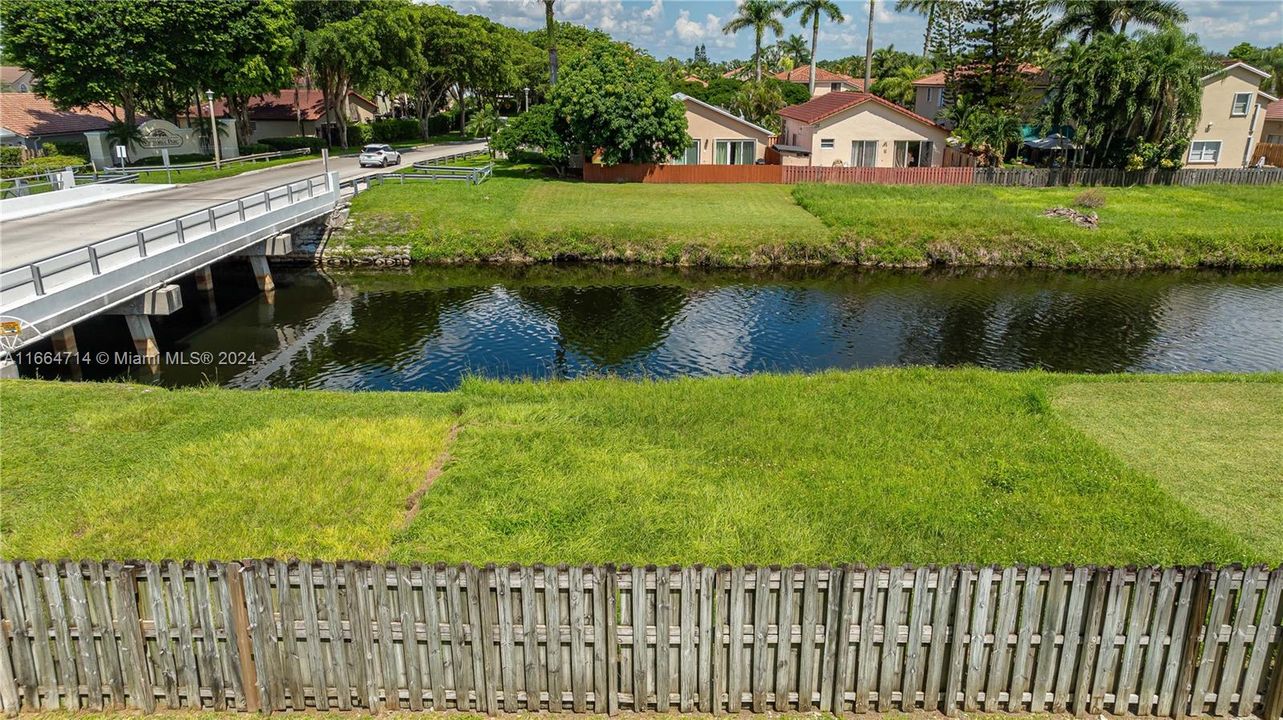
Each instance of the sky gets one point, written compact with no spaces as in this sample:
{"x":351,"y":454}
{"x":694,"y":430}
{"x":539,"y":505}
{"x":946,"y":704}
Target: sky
{"x":674,"y":27}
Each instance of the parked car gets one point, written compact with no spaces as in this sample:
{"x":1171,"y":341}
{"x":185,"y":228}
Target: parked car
{"x":380,"y":155}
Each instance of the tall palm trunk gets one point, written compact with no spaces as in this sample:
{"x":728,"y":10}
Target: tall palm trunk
{"x":815,"y":40}
{"x":868,"y":51}
{"x":552,"y":42}
{"x":757,"y":52}
{"x":931,"y":21}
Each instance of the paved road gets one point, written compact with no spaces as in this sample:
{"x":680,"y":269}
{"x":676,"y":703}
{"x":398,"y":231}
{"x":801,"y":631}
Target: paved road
{"x":28,"y":239}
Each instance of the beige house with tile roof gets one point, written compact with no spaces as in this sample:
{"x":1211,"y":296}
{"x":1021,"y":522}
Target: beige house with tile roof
{"x":719,"y":137}
{"x":858,"y":130}
{"x":826,"y":81}
{"x":1232,"y":120}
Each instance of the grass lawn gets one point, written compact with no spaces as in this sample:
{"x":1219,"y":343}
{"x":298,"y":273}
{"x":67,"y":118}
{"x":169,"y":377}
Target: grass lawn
{"x":516,"y":216}
{"x":1222,"y":225}
{"x":876,"y":466}
{"x":200,"y":175}
{"x":521,"y":215}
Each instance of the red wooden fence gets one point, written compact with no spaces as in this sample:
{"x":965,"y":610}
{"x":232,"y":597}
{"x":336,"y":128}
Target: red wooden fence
{"x":682,"y":173}
{"x":880,"y":175}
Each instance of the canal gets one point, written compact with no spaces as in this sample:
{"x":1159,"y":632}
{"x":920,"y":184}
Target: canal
{"x":426,"y":328}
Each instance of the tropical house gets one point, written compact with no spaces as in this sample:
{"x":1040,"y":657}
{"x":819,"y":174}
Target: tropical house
{"x":278,"y":115}
{"x":826,"y":81}
{"x":719,"y":137}
{"x":929,"y":96}
{"x":27,"y":119}
{"x":1272,"y":131}
{"x":1233,"y":118}
{"x":858,"y":130}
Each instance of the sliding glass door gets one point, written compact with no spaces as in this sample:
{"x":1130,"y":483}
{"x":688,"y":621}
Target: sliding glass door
{"x":912,"y":153}
{"x":735,"y":152}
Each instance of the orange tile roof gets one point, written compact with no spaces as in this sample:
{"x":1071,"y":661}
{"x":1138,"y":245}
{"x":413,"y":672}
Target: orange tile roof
{"x":825,"y":106}
{"x":30,"y":115}
{"x":1274,"y":111}
{"x":937,"y":78}
{"x":280,"y":105}
{"x":802,"y":74}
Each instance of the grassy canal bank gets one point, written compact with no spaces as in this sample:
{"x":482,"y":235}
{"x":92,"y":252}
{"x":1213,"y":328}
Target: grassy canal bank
{"x":891,"y":466}
{"x":521,"y":216}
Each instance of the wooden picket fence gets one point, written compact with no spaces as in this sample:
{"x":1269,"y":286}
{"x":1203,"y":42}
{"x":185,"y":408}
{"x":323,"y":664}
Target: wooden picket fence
{"x":1272,"y":152}
{"x":273,"y":636}
{"x":880,"y":175}
{"x":1044,"y":177}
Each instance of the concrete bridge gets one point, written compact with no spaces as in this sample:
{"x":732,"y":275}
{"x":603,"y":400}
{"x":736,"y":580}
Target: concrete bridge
{"x":59,"y":269}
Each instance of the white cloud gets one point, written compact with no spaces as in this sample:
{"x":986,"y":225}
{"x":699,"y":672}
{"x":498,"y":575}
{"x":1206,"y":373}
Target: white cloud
{"x":709,"y":31}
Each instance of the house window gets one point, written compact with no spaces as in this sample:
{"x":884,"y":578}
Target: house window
{"x":690,"y":157}
{"x":1274,"y":139}
{"x":1242,"y":101}
{"x":1204,"y":151}
{"x":735,"y":152}
{"x":835,"y":87}
{"x":912,"y":153}
{"x":826,"y":143}
{"x":933,"y":95}
{"x":864,"y":153}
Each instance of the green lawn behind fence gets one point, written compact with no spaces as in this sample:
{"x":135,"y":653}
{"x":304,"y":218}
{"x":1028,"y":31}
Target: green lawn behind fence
{"x":523,"y":215}
{"x":881,"y":466}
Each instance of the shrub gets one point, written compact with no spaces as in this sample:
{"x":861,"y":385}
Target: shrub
{"x":294,"y":142}
{"x":67,"y":147}
{"x":1092,"y":198}
{"x":394,"y":129}
{"x":256,"y":148}
{"x":41,"y":165}
{"x":10,"y":155}
{"x":358,"y":135}
{"x":442,"y":123}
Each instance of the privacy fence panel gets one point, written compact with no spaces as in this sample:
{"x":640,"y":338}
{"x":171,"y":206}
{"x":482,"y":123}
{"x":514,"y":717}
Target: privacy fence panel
{"x":1045,"y":177}
{"x":270,"y":635}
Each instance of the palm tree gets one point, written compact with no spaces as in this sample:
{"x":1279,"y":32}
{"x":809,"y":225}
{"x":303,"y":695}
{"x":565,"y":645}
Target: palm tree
{"x":761,"y":15}
{"x":898,"y":85}
{"x":1096,"y":17}
{"x":552,"y":42}
{"x":868,"y":51}
{"x":811,"y":11}
{"x":794,"y":47}
{"x":922,"y":7}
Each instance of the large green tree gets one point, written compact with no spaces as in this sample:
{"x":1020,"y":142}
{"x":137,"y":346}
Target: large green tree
{"x":129,"y":56}
{"x":926,"y":8}
{"x":809,"y":13}
{"x":375,"y":50}
{"x":257,"y":43}
{"x":1087,"y":18}
{"x":1129,"y":97}
{"x":794,"y":48}
{"x":615,"y":100}
{"x":1269,"y":59}
{"x":761,"y":16}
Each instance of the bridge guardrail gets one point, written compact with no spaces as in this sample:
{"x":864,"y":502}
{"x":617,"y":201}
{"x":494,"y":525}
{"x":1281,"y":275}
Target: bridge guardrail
{"x":37,"y":278}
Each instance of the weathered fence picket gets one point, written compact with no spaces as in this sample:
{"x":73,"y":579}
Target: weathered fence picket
{"x":1167,"y":642}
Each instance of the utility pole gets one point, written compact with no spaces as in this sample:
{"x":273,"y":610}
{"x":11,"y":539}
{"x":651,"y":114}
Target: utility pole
{"x":213,"y":127}
{"x":868,"y":51}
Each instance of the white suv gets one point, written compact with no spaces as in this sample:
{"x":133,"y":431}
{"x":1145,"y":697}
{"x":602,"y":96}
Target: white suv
{"x":380,"y":155}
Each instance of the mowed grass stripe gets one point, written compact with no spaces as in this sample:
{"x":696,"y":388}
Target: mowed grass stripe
{"x":1216,"y":447}
{"x":880,"y":466}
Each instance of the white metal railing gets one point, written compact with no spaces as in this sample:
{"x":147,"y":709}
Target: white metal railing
{"x":176,"y":167}
{"x":121,"y":250}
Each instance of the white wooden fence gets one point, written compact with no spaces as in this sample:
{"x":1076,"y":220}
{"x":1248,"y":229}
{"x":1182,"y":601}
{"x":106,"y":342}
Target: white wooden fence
{"x":268,"y":635}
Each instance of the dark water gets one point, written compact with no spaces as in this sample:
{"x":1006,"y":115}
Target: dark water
{"x":426,"y":328}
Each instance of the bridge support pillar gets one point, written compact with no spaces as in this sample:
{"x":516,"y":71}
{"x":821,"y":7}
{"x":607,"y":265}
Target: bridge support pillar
{"x":164,"y":300}
{"x":262,"y":272}
{"x":64,"y":342}
{"x":205,"y":279}
{"x":144,"y":339}
{"x":8,"y":369}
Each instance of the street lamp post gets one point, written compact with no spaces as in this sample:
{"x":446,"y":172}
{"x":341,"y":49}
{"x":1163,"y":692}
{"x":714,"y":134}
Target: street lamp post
{"x":527,"y":98}
{"x":213,"y":126}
